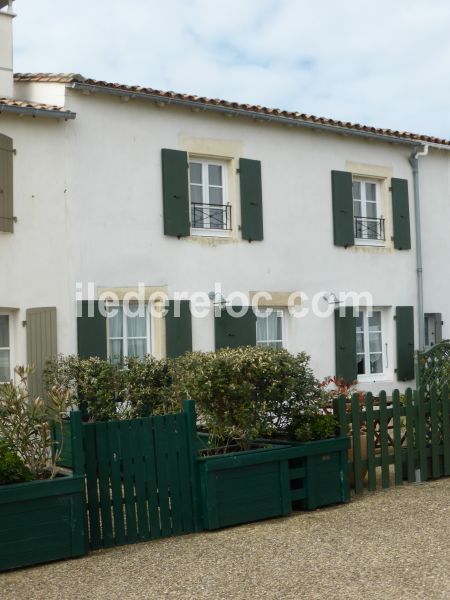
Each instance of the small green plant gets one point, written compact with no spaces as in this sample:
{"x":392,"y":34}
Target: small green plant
{"x":26,"y":424}
{"x":12,"y":468}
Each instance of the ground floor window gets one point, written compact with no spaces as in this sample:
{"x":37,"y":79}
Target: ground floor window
{"x":5,"y":349}
{"x":269,"y":329}
{"x":128,"y":332}
{"x":369,"y":342}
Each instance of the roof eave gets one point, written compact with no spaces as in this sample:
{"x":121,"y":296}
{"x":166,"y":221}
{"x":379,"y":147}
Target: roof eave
{"x":37,"y":112}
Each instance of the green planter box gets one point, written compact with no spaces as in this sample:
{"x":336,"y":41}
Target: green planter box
{"x":41,"y":521}
{"x":268,"y":482}
{"x":241,"y":487}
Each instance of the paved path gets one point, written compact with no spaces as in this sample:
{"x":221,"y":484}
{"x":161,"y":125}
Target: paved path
{"x":393,"y":544}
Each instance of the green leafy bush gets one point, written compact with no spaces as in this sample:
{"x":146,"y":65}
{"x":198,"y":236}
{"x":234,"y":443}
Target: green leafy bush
{"x":26,"y":424}
{"x":12,"y":468}
{"x":245,"y":393}
{"x":147,"y":384}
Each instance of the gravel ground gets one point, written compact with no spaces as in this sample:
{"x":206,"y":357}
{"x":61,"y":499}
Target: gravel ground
{"x":393,"y":544}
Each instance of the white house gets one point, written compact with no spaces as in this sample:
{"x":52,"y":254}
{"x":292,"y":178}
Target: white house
{"x":113,"y":188}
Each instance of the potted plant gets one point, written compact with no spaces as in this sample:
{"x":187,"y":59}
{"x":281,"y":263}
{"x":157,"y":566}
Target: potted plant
{"x":41,"y":509}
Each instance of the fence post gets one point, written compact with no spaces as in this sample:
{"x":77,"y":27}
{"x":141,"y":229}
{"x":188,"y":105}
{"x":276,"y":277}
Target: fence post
{"x":76,"y":432}
{"x":191,"y":422}
{"x":341,"y":415}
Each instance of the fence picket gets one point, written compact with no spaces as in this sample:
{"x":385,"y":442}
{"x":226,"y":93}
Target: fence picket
{"x":434,"y":409}
{"x":421,"y":433}
{"x":356,"y":437}
{"x":101,"y":440}
{"x":183,"y":467}
{"x":174,"y":476}
{"x":148,"y":447}
{"x":91,"y":485}
{"x":445,"y":398}
{"x":384,"y":441}
{"x":128,"y":487}
{"x":162,"y":474}
{"x":410,"y":438}
{"x":116,"y":482}
{"x":143,"y":530}
{"x":398,"y":453}
{"x":370,"y":426}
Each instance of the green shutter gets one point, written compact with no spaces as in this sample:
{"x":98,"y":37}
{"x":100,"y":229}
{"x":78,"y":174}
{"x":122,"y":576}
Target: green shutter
{"x":404,"y":316}
{"x":345,"y":345}
{"x":91,"y":326}
{"x":231,"y":332}
{"x":342,"y":192}
{"x":400,"y":214}
{"x":178,"y":328}
{"x":6,"y":184}
{"x":251,"y":199}
{"x":41,"y":345}
{"x":175,"y":192}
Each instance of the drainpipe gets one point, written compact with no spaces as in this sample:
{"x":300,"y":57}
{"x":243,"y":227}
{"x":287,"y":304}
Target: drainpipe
{"x":414,"y":162}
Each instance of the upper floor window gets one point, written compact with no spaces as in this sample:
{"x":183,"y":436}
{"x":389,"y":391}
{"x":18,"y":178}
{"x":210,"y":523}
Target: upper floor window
{"x":369,"y":343}
{"x":269,"y":329}
{"x":5,"y":349}
{"x":128,"y":332}
{"x":210,"y":210}
{"x":368,"y":221}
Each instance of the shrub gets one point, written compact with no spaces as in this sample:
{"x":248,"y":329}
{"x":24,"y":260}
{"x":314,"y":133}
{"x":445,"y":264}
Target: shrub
{"x":245,"y":393}
{"x":26,"y":424}
{"x":147,"y":384}
{"x":12,"y":468}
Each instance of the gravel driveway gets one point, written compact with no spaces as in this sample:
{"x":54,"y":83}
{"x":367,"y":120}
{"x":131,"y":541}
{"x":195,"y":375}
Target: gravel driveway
{"x":387,"y":545}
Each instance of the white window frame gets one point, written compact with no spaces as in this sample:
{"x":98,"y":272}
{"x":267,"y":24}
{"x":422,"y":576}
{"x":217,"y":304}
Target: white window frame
{"x":205,"y":161}
{"x":363,"y":180}
{"x":9,"y":348}
{"x":125,"y":337}
{"x":386,"y":346}
{"x":267,"y":343}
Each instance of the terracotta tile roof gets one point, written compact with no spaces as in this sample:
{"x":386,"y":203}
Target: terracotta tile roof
{"x":34,"y":107}
{"x":74,"y":78}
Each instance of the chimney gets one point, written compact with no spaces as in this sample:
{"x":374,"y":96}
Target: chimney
{"x":6,"y":49}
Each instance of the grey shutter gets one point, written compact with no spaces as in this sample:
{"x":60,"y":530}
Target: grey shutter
{"x":342,"y":194}
{"x":41,"y":345}
{"x":400,"y":214}
{"x":6,"y":184}
{"x":251,"y":199}
{"x":404,"y":316}
{"x":345,"y":345}
{"x":91,"y":330}
{"x":178,"y":328}
{"x":231,"y":332}
{"x":175,"y":192}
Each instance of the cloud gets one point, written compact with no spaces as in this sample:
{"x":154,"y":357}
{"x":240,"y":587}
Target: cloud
{"x":381,"y":63}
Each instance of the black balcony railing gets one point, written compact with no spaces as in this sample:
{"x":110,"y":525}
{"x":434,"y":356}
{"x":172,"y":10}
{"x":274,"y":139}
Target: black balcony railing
{"x":368,"y":228}
{"x":211,"y":216}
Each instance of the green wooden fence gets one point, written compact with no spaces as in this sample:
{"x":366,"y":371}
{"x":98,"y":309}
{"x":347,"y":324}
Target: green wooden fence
{"x":140,"y":481}
{"x":433,"y":367}
{"x":397,"y":439}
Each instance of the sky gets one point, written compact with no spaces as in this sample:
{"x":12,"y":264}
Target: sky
{"x":381,"y":62}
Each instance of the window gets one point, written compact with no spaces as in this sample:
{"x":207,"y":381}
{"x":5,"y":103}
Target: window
{"x":269,"y":329}
{"x":369,"y":343}
{"x":210,"y":213}
{"x":433,"y":329}
{"x":128,"y":333}
{"x":5,"y":349}
{"x":368,"y":222}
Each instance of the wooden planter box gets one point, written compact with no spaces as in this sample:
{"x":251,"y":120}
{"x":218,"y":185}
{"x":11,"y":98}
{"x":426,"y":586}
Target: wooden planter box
{"x":268,"y":482}
{"x":41,"y":521}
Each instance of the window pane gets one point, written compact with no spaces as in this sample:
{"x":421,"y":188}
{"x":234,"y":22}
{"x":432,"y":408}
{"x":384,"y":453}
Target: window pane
{"x":136,"y":326}
{"x":279,"y":326}
{"x":116,"y":351}
{"x":4,"y":331}
{"x":375,"y":321}
{"x":115,"y":322}
{"x":215,"y":174}
{"x":5,"y":371}
{"x":215,"y":195}
{"x":216,"y":218}
{"x":376,"y":363}
{"x":196,"y":194}
{"x":359,"y":322}
{"x":195,"y":172}
{"x":272,"y":324}
{"x":356,"y":190}
{"x":357,"y":208}
{"x":370,"y":192}
{"x":371,"y":210}
{"x":375,"y":342}
{"x":261,"y":329}
{"x":360,"y":343}
{"x":360,"y":364}
{"x":137,"y":348}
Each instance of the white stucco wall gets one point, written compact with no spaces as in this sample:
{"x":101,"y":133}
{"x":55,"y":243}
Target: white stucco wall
{"x":88,"y":199}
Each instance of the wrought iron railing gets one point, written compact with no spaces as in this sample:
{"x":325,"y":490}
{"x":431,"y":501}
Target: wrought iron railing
{"x":211,"y":216}
{"x":368,"y":228}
